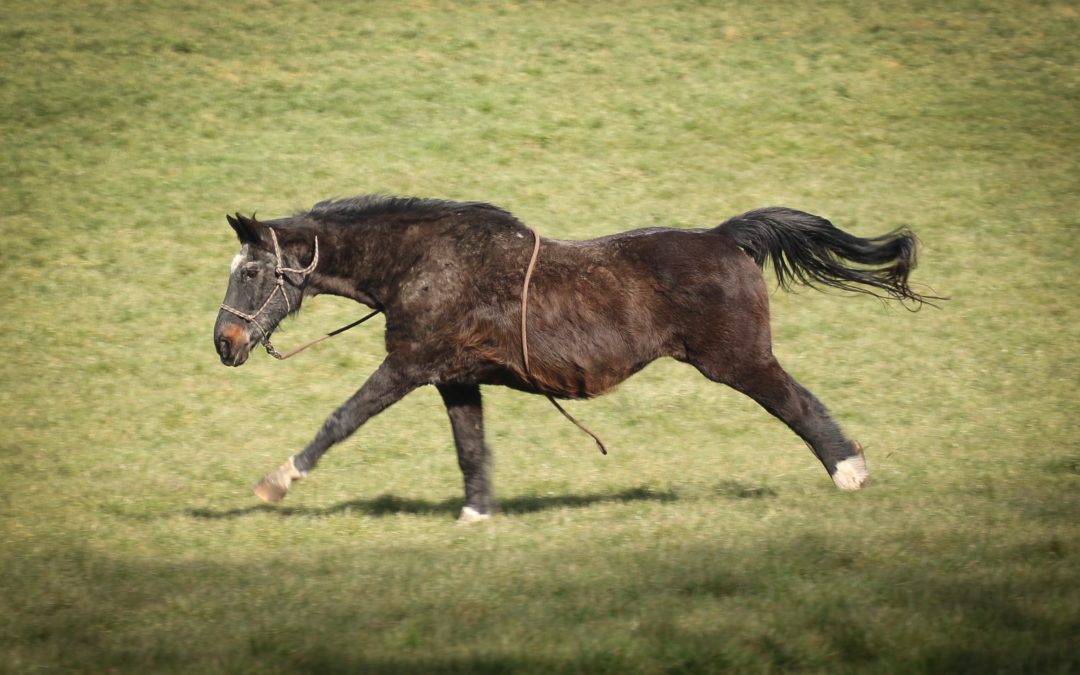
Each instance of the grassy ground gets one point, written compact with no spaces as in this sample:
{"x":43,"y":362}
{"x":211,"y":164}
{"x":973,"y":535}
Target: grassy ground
{"x":709,"y":540}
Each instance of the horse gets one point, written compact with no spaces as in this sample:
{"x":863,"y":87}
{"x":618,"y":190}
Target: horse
{"x":472,"y":297}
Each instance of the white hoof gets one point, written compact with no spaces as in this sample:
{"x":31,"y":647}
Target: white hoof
{"x":274,"y":485}
{"x":851,"y":473}
{"x":469,"y":515}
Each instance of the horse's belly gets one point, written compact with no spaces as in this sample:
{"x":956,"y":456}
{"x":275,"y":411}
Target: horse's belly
{"x":587,"y":375}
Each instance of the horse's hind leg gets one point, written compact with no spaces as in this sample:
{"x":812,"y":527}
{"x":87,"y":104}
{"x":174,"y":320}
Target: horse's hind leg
{"x":775,"y":390}
{"x":467,"y":420}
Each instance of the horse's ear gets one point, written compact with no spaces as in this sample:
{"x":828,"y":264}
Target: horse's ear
{"x":248,"y":230}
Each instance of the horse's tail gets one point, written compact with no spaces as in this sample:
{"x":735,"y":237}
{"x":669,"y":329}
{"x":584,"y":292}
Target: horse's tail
{"x":810,"y":250}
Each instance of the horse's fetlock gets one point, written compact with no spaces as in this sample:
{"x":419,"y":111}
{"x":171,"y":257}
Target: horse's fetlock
{"x":851,"y":473}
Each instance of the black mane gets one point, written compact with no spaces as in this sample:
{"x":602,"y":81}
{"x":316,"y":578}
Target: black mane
{"x":364,"y":207}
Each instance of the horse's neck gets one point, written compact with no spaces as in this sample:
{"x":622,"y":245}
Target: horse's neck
{"x":359,"y":263}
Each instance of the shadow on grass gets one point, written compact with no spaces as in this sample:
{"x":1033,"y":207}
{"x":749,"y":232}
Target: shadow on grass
{"x":388,"y":505}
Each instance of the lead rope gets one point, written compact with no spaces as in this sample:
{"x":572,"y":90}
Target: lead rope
{"x":525,"y":339}
{"x":311,"y":343}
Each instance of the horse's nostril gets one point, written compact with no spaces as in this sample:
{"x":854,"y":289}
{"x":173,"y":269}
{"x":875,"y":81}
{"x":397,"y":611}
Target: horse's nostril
{"x":224,"y":347}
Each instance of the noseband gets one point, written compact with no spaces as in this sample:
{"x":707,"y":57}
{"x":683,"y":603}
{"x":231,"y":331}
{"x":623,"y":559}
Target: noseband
{"x":279,"y":271}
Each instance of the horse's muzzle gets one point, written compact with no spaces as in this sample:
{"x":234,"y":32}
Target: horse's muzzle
{"x":233,"y":344}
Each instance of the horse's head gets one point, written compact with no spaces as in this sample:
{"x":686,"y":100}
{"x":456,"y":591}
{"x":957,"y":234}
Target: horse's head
{"x":265,"y":285}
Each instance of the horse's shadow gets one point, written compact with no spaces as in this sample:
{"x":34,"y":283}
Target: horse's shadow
{"x":388,"y":505}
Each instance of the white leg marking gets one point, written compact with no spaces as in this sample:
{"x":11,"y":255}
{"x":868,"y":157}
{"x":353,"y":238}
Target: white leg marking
{"x":469,"y":515}
{"x":851,"y":473}
{"x":274,"y":485}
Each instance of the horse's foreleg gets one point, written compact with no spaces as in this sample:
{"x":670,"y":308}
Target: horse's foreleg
{"x":387,"y":385}
{"x":776,"y":391}
{"x":467,"y":420}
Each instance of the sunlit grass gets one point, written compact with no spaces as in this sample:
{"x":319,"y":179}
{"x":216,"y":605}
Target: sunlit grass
{"x":710,"y":539}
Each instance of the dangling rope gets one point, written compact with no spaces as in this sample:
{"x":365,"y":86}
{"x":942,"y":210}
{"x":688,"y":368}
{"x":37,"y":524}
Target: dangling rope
{"x":525,"y":339}
{"x":289,"y":354}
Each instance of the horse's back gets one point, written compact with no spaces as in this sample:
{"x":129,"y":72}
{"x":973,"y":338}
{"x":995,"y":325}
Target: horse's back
{"x":690,"y":269}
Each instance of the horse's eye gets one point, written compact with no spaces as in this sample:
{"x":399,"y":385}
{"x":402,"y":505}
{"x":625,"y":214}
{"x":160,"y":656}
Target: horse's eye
{"x":250,"y":272}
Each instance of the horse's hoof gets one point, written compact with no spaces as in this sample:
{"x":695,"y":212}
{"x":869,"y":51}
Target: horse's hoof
{"x":274,"y":485}
{"x":469,"y":515}
{"x":851,"y":474}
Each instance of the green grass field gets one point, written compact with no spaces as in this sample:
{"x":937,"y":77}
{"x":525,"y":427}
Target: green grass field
{"x":710,"y":540}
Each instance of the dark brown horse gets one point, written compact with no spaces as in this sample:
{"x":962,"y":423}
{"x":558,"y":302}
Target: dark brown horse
{"x":449,"y":278}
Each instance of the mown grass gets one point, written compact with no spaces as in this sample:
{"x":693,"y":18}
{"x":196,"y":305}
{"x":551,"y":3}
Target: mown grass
{"x":709,"y":540}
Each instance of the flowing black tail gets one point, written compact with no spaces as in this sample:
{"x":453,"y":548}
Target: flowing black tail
{"x":810,"y":250}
